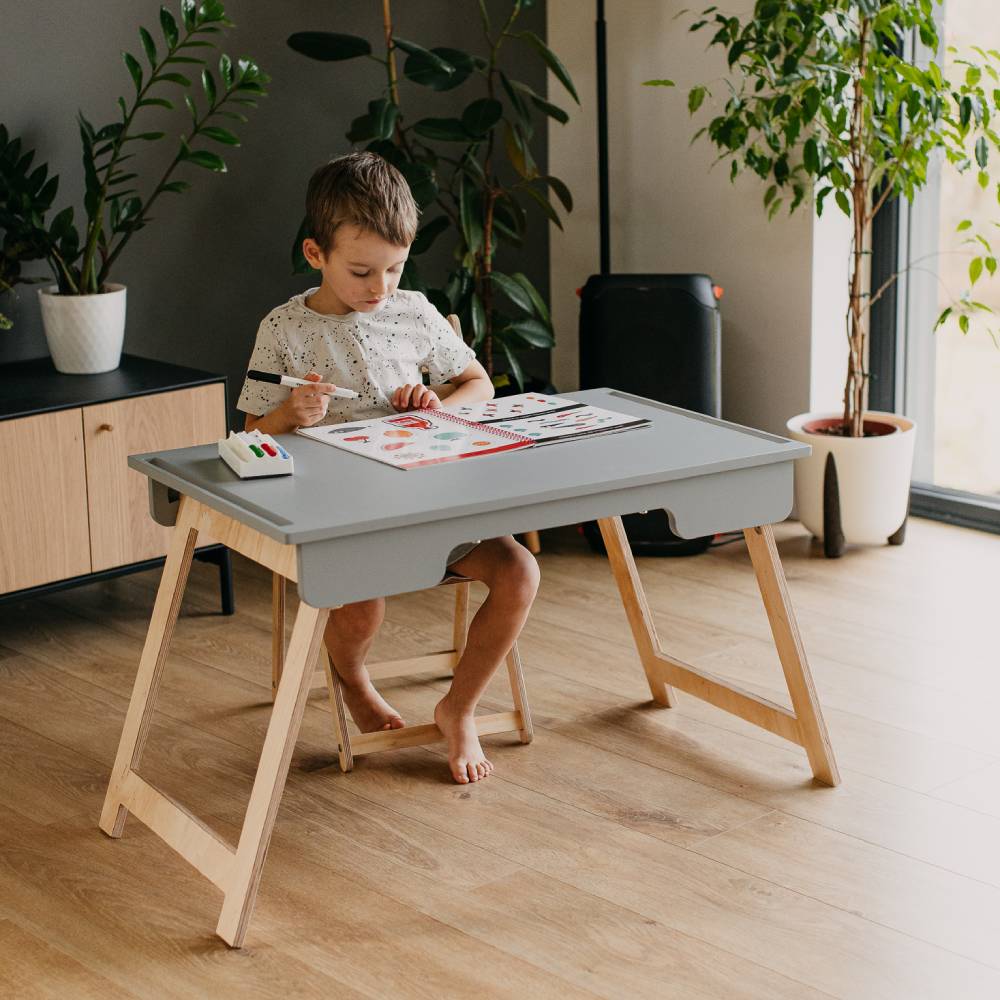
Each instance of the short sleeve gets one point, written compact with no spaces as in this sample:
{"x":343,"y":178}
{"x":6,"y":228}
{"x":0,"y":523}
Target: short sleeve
{"x":448,"y":354}
{"x":269,"y":355}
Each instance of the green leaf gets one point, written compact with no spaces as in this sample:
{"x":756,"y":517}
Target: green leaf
{"x":695,"y":97}
{"x":147,"y":136}
{"x":135,"y":70}
{"x":160,"y":102}
{"x":220,"y":135}
{"x":513,"y":290}
{"x":444,"y":129}
{"x":945,"y":313}
{"x":984,"y":179}
{"x":176,"y":187}
{"x":518,"y":152}
{"x":480,"y":116}
{"x":975,"y":269}
{"x":991,"y":265}
{"x":540,"y":309}
{"x":982,"y":152}
{"x":463,"y":64}
{"x":658,"y":83}
{"x":562,"y":192}
{"x":169,"y":26}
{"x":189,"y":10}
{"x":552,"y":61}
{"x":149,"y":46}
{"x":963,"y":323}
{"x":963,"y":225}
{"x":424,"y":66}
{"x":428,"y":233}
{"x":532,"y":332}
{"x":179,"y":78}
{"x":478,"y":319}
{"x":546,"y":207}
{"x":469,"y":214}
{"x":843,"y":203}
{"x":203,"y":158}
{"x":515,"y":366}
{"x":552,"y":110}
{"x":328,"y":46}
{"x":208,"y":83}
{"x":810,"y":156}
{"x":226,"y":69}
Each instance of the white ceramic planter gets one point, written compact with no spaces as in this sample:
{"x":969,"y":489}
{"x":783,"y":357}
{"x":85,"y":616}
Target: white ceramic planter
{"x":84,"y":332}
{"x":873,"y":477}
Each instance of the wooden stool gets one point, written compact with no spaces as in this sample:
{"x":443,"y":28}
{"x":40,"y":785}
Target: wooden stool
{"x":348,"y":747}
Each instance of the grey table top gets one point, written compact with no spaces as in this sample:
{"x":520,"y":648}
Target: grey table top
{"x":334,"y":493}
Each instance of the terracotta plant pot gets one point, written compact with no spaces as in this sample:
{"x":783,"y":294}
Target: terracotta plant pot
{"x":854,"y":490}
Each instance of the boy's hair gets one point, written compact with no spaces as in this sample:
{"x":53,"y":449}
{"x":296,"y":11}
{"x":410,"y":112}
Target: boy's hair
{"x":364,"y":189}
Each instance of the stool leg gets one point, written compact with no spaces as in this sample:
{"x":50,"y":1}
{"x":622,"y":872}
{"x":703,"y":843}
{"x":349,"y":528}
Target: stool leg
{"x":277,"y":630}
{"x":334,"y":688}
{"x":520,"y":693}
{"x":460,"y":627}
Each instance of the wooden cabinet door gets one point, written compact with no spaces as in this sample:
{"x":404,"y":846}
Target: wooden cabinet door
{"x":121,"y":530}
{"x":43,"y":500}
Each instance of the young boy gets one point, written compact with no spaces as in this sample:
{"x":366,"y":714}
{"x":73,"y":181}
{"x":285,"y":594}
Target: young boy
{"x":359,"y":331}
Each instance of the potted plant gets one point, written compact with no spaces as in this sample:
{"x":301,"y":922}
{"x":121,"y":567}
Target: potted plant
{"x":471,"y":175}
{"x":826,"y":100}
{"x":84,"y":312}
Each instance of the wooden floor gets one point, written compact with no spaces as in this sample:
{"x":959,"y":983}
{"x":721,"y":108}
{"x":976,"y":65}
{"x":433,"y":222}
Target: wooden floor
{"x":629,"y":851}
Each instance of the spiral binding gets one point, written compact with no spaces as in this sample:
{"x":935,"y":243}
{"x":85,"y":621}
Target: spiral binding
{"x":488,"y":428}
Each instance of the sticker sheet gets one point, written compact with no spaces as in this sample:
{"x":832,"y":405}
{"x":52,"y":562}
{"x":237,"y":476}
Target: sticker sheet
{"x":548,"y":419}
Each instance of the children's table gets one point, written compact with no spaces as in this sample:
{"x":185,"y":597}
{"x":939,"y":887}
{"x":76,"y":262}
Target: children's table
{"x":346,"y":528}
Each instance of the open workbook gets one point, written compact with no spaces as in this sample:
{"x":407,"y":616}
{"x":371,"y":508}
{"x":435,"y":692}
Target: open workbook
{"x":429,"y":437}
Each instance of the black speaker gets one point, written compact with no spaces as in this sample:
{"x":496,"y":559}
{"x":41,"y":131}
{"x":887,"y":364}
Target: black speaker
{"x":659,"y":336}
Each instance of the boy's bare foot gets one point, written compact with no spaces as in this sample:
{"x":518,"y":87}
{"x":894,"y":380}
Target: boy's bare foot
{"x":369,"y":710}
{"x":465,"y":756}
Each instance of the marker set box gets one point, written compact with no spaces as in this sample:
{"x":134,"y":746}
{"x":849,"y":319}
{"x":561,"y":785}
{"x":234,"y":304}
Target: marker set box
{"x":250,"y":454}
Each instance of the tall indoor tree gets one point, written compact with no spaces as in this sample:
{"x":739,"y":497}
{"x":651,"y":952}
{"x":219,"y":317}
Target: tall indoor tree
{"x":471,"y":174}
{"x":830,"y":98}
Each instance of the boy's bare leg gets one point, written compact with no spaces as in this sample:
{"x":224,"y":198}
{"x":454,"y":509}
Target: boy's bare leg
{"x":349,"y":635}
{"x":510,"y":572}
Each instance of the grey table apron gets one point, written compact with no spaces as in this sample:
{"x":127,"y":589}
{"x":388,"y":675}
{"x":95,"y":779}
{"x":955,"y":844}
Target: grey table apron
{"x":347,"y":528}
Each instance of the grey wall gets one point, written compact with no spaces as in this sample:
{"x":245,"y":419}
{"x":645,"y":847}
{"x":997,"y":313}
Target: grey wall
{"x":216,"y":259}
{"x":785,"y":281}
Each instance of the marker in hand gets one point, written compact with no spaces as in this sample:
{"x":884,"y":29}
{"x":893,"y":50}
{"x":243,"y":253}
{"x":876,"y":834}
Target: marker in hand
{"x":290,"y":380}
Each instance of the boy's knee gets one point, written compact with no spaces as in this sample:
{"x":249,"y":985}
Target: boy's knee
{"x":358,"y":621}
{"x":519,"y":575}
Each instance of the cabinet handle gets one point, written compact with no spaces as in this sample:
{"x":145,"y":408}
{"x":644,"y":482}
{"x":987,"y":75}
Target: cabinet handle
{"x":105,"y":427}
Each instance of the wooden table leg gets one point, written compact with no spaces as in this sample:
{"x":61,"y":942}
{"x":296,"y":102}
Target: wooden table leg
{"x":235,"y":870}
{"x":804,"y":724}
{"x":282,"y":732}
{"x":636,"y":608}
{"x":154,"y":654}
{"x":798,"y":677}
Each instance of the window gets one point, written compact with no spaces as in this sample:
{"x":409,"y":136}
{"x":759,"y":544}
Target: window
{"x":949,"y":383}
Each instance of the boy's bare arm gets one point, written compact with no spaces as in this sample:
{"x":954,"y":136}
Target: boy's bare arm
{"x":305,"y":406}
{"x":471,"y":386}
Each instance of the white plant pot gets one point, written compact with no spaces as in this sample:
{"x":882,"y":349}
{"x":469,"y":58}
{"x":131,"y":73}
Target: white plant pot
{"x":84,"y":332}
{"x":873,"y":477}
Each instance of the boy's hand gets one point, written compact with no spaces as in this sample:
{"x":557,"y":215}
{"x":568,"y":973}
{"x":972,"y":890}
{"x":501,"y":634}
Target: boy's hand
{"x":307,"y":404}
{"x":413,"y":397}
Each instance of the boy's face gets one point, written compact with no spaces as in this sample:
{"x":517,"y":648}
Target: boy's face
{"x":361,"y":270}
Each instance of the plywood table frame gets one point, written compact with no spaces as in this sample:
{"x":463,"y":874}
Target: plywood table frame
{"x":236,"y":869}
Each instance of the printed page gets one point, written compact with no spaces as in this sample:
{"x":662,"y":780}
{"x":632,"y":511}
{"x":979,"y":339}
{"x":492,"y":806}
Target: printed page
{"x":417,"y":438}
{"x":548,"y":419}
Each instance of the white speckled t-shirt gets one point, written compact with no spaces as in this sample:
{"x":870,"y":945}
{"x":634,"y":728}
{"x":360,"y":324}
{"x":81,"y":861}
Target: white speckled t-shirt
{"x":372,"y":353}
